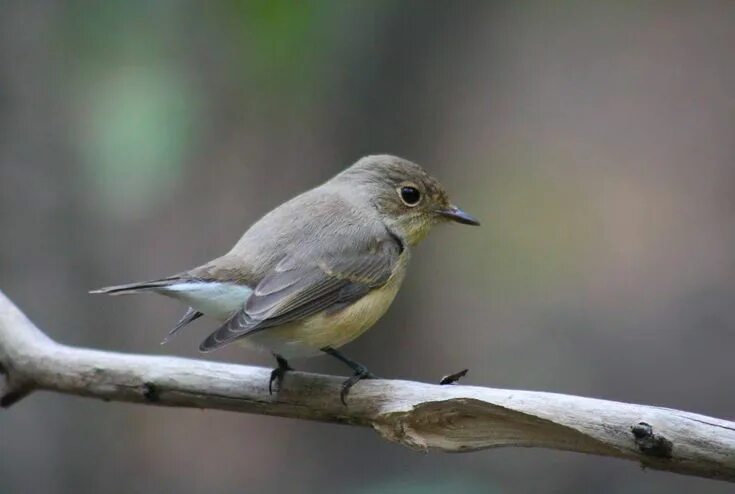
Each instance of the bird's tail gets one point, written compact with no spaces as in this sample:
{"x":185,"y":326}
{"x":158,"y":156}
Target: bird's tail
{"x":130,"y":288}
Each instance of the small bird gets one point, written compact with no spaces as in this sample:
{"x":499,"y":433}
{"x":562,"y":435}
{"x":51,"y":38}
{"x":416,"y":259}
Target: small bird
{"x":318,"y":270}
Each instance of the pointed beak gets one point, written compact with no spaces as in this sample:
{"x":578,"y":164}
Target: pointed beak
{"x":456,"y":214}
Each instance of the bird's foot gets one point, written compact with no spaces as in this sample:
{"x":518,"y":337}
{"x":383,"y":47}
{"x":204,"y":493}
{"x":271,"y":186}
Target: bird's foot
{"x":360,"y":373}
{"x":279,"y":373}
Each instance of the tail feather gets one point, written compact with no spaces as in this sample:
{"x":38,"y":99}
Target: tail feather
{"x":130,"y":288}
{"x":190,"y":316}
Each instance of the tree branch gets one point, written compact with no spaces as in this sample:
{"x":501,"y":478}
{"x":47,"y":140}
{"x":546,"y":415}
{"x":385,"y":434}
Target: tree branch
{"x":421,"y":416}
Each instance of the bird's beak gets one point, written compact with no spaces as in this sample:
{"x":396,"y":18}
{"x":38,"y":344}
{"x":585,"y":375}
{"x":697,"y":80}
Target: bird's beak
{"x":454,"y":213}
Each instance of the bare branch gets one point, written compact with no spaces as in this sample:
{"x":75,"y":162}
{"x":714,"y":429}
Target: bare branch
{"x":421,"y":416}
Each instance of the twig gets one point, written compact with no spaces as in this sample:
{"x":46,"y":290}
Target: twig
{"x":418,"y":415}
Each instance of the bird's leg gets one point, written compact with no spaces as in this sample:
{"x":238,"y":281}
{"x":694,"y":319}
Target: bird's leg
{"x":278,"y":373}
{"x":355,"y":366}
{"x":360,"y":372}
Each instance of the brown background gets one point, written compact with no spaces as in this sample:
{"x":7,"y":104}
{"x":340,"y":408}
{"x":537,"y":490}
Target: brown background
{"x":593,"y":139}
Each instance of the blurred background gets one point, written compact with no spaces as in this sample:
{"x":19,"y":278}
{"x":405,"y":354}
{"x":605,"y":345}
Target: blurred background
{"x":593,"y":139}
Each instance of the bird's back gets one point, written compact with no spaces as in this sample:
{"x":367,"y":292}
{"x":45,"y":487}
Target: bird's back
{"x":300,"y":226}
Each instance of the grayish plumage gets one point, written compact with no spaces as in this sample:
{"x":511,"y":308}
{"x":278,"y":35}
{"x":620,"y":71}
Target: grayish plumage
{"x":320,"y":269}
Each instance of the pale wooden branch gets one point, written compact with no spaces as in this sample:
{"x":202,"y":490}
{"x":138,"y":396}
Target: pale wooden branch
{"x":421,"y":416}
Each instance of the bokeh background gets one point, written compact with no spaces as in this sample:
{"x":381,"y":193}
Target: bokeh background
{"x":593,"y":139}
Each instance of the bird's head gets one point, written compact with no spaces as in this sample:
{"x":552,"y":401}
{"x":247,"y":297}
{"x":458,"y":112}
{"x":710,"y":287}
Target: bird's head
{"x":409,"y":201}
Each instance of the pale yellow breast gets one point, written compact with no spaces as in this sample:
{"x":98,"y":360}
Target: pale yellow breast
{"x":308,"y":337}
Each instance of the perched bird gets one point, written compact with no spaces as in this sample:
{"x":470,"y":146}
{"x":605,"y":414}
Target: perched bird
{"x":317,"y":271}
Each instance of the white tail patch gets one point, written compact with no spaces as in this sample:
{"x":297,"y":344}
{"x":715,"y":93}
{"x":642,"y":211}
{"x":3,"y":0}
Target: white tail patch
{"x":215,"y":299}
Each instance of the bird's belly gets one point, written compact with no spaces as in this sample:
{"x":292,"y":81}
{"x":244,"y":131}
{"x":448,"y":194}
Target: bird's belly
{"x":307,"y":337}
{"x":215,"y":299}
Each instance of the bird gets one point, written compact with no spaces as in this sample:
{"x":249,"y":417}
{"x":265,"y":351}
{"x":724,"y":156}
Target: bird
{"x":317,"y":271}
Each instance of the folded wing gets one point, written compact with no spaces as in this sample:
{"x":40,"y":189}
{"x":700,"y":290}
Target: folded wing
{"x":303,"y":285}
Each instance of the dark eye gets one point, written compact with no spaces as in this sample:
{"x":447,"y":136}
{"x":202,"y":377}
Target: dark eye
{"x":410,"y":195}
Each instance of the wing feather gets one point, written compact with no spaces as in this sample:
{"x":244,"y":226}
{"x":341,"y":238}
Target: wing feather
{"x":299,"y":287}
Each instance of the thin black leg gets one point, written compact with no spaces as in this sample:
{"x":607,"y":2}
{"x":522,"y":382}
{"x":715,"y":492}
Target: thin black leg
{"x":278,"y":373}
{"x":360,"y":372}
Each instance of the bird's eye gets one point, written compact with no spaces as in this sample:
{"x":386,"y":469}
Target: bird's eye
{"x":409,"y":195}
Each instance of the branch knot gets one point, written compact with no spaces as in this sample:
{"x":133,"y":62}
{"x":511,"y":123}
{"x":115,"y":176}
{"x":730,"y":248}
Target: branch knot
{"x":651,"y":444}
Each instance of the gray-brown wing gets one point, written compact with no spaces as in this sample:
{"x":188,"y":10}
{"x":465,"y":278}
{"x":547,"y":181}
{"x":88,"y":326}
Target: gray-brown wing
{"x":299,"y":287}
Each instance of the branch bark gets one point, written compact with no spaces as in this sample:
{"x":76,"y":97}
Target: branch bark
{"x":417,"y":415}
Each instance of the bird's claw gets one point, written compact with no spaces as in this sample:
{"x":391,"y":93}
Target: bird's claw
{"x":359,"y":375}
{"x":278,"y":373}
